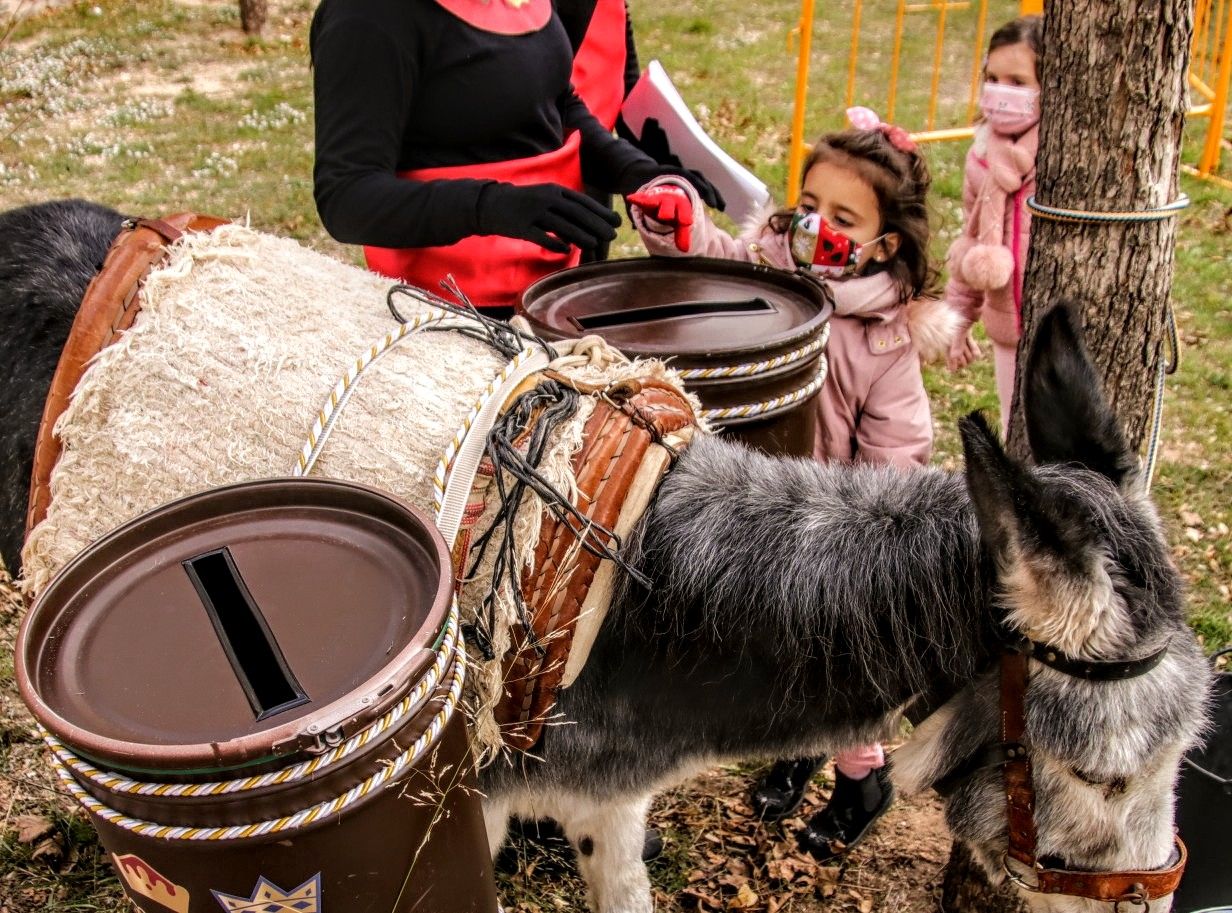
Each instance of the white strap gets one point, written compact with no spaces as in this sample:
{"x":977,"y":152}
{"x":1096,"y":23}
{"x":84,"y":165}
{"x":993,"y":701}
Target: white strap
{"x":466,"y":464}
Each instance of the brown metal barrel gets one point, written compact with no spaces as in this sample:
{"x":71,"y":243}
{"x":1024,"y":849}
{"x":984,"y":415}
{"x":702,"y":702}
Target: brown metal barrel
{"x":749,"y":339}
{"x":255,"y":692}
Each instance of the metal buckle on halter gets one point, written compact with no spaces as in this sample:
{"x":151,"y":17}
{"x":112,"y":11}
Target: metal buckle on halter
{"x":1015,"y":878}
{"x":1136,"y":896}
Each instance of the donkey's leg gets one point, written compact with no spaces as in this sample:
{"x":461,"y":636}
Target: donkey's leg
{"x":608,"y":838}
{"x":496,"y":820}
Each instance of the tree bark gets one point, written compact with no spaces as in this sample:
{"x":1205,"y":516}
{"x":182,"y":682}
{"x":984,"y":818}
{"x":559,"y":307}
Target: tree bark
{"x":1113,"y":97}
{"x":1113,"y":94}
{"x":252,"y":16}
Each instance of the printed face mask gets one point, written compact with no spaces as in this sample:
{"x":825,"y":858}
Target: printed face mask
{"x":816,"y":245}
{"x":1009,"y":109}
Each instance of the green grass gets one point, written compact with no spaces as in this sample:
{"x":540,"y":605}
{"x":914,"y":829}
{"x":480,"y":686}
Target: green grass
{"x":158,"y":106}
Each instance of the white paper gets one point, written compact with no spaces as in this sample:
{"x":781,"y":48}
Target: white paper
{"x":656,"y":97}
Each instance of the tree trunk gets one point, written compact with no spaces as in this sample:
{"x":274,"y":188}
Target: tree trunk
{"x":1113,"y":94}
{"x":252,"y":16}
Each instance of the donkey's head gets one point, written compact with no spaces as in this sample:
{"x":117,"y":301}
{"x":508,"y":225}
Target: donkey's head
{"x":1083,"y":572}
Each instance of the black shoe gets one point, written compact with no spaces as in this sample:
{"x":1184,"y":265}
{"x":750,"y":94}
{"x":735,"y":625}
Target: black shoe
{"x":848,"y":816}
{"x":780,"y":792}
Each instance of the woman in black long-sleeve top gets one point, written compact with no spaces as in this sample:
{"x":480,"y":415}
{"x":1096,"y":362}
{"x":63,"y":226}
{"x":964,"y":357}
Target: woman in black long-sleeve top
{"x":449,"y":140}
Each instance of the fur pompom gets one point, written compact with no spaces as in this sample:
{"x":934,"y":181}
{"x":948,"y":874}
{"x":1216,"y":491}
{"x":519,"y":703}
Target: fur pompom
{"x":934,"y":325}
{"x":958,"y":250}
{"x":988,"y":266}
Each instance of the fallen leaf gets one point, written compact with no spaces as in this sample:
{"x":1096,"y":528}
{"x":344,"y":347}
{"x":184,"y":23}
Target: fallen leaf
{"x":745,"y":899}
{"x":32,"y":827}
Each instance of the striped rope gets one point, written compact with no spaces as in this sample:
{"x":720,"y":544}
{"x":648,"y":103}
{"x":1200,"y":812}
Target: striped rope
{"x":751,"y":369}
{"x":753,"y":409}
{"x":1167,"y":366}
{"x":1058,"y":214}
{"x":117,"y":784}
{"x":290,"y":822}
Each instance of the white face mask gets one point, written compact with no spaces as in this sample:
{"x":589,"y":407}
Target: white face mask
{"x":1009,"y":109}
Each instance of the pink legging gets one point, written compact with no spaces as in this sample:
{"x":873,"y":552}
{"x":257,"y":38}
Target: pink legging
{"x":857,"y":763}
{"x":1003,"y":364}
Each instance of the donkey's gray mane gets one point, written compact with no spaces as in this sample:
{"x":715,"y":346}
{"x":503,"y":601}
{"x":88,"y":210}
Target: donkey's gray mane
{"x":870,"y":577}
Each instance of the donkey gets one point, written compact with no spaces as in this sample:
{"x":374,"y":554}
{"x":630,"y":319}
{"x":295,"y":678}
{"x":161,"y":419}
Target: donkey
{"x":784,"y":608}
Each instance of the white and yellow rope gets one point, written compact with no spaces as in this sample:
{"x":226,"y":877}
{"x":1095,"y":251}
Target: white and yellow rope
{"x":750,"y":410}
{"x":117,"y":784}
{"x":299,"y":819}
{"x":752,"y":369}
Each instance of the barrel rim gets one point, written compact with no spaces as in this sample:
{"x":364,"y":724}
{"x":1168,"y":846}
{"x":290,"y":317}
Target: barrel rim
{"x":347,"y":712}
{"x":789,"y":281}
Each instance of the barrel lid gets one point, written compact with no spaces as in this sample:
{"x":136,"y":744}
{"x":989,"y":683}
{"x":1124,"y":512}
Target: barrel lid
{"x":236,"y":626}
{"x":688,"y":307}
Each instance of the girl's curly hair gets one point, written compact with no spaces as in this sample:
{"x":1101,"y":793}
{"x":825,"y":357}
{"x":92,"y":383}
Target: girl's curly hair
{"x":900,"y":181}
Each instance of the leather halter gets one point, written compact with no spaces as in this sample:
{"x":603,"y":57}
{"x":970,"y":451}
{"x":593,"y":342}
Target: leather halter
{"x":1124,"y":887}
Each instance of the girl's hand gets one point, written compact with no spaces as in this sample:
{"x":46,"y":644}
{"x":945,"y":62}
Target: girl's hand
{"x":670,"y":207}
{"x":963,"y":350}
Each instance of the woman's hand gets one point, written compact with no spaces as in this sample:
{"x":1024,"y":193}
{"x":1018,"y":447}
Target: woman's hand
{"x":549,"y":215}
{"x":668,"y":207}
{"x":644,"y":172}
{"x":963,"y":350}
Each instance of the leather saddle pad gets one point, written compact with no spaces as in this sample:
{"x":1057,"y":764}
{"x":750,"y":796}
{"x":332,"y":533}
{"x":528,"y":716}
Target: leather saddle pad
{"x":108,"y":308}
{"x":621,"y":451}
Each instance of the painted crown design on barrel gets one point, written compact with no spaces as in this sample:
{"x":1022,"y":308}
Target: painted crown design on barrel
{"x":143,"y":879}
{"x":267,"y":897}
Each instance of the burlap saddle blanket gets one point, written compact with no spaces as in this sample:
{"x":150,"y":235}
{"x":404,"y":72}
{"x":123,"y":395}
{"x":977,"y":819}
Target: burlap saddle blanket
{"x":201,"y":355}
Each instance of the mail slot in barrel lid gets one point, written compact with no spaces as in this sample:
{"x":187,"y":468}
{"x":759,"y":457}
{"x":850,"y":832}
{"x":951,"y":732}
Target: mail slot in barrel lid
{"x":237,"y":628}
{"x":748,"y":339}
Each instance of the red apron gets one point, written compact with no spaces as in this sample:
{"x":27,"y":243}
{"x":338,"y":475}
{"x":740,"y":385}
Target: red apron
{"x":491,"y":269}
{"x":599,"y":65}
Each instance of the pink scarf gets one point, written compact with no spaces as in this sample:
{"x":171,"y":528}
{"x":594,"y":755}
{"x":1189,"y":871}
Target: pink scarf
{"x":979,"y":257}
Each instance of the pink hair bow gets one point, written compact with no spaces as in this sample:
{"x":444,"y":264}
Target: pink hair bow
{"x":867,"y":119}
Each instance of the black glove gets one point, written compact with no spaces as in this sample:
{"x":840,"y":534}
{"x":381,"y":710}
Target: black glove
{"x":639,"y":173}
{"x":653,"y":142}
{"x":550,"y":215}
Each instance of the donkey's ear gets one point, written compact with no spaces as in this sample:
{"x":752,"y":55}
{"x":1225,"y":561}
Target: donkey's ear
{"x":990,"y":480}
{"x":1068,"y":419}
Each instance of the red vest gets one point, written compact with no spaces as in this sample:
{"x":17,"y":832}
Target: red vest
{"x":491,"y":269}
{"x":599,"y":65}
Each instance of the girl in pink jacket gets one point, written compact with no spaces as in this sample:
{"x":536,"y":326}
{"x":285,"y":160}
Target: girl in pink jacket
{"x":986,"y":262}
{"x":862,"y":224}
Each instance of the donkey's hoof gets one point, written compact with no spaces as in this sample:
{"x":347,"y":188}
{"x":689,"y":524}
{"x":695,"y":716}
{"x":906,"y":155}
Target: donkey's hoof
{"x":780,"y":792}
{"x":652,"y":844}
{"x":848,"y":816}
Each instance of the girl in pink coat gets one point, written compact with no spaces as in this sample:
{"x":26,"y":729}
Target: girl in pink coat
{"x":986,"y":262}
{"x":862,"y":224}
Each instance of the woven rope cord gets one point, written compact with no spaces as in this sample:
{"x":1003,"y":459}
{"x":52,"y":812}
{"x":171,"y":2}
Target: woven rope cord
{"x":118,"y":784}
{"x":1059,"y":214}
{"x":787,"y":399}
{"x":1167,"y":366}
{"x":290,"y":822}
{"x":752,"y":369}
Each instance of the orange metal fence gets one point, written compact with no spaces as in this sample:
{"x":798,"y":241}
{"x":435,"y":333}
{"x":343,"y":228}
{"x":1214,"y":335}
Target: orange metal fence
{"x":1210,"y":72}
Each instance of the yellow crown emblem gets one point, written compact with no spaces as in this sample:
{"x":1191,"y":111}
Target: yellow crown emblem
{"x":267,"y":897}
